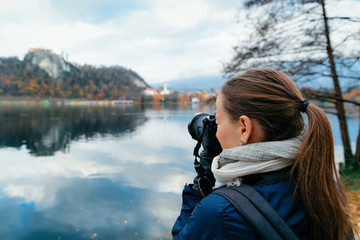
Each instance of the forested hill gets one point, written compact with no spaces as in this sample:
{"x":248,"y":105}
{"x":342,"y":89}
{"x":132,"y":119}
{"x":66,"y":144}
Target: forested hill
{"x":43,"y":73}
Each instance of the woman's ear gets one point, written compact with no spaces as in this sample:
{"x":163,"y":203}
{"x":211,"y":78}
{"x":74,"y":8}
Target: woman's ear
{"x":246,"y":129}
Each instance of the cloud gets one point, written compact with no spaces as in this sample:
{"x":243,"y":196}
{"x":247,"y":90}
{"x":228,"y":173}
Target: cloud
{"x":161,"y":40}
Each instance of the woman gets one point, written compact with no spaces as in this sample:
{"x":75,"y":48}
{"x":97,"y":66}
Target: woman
{"x":262,"y":132}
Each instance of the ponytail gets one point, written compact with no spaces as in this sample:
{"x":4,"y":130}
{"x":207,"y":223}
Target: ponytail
{"x":314,"y":170}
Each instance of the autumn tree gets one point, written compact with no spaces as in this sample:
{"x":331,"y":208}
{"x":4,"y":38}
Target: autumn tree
{"x":299,"y":38}
{"x":26,"y":79}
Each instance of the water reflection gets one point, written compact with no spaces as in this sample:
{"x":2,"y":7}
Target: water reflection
{"x":96,"y":173}
{"x":45,"y":131}
{"x":104,"y":173}
{"x":86,"y":209}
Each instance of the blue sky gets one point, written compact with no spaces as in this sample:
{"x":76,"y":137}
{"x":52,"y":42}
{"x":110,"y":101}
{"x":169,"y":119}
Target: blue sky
{"x":162,"y":40}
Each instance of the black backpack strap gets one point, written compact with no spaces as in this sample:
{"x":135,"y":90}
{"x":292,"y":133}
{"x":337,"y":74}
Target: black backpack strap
{"x":257,"y":212}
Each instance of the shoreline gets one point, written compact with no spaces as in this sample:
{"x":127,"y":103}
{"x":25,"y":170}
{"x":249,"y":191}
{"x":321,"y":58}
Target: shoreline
{"x":27,"y":101}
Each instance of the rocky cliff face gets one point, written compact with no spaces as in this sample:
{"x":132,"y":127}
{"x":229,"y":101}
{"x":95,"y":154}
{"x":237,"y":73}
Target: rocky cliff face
{"x":57,"y":67}
{"x":44,"y":73}
{"x":50,"y":62}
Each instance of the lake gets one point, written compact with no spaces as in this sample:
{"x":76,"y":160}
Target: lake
{"x":96,"y":172}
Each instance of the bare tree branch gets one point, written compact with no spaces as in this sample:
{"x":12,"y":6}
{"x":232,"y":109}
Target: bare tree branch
{"x":352,"y":19}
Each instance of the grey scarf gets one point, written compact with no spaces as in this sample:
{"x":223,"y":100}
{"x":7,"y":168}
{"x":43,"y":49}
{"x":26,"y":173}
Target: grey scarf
{"x":253,"y":158}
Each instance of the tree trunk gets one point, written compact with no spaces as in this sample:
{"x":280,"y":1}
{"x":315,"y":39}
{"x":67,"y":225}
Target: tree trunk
{"x":339,"y":103}
{"x":357,"y":153}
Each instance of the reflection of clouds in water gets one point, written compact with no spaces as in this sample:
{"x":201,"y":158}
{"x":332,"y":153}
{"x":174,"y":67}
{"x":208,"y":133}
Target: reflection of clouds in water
{"x":158,"y":134}
{"x":88,"y":205}
{"x":118,"y":187}
{"x":149,"y":160}
{"x":163,"y":210}
{"x":39,"y":193}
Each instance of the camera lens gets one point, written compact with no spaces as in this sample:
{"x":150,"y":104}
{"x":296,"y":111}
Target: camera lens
{"x":196,"y":126}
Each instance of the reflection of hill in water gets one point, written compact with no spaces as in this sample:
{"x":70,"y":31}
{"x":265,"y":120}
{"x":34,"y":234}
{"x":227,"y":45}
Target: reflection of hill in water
{"x":45,"y":131}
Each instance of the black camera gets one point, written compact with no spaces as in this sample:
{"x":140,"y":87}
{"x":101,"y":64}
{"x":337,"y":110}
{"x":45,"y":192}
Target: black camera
{"x":203,"y":128}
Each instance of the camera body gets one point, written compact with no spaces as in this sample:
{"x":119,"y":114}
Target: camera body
{"x":203,"y":128}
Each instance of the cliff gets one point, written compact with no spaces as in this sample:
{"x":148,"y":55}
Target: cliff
{"x":44,"y":73}
{"x":48,"y":61}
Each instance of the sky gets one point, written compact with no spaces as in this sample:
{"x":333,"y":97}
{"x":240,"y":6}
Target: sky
{"x":161,"y":40}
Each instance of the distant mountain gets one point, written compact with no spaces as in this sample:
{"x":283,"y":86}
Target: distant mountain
{"x":46,"y":74}
{"x":207,"y":83}
{"x":319,"y":77}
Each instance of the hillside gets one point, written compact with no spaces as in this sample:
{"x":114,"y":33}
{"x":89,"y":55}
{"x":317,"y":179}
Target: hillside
{"x":43,"y":73}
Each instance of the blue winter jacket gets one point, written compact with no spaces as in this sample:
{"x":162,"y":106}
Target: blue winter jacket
{"x":214,"y":217}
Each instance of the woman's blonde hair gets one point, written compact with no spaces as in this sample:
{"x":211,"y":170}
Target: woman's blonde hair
{"x":273,"y":100}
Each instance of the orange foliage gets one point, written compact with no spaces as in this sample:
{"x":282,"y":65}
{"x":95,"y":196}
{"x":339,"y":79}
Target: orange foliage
{"x":157,"y":98}
{"x":353,"y":95}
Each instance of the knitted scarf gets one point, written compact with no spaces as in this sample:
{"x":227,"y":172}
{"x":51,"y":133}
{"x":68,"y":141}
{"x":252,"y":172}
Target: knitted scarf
{"x":253,"y":158}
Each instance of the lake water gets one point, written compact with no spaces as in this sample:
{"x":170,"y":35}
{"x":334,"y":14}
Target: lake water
{"x":97,"y":172}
